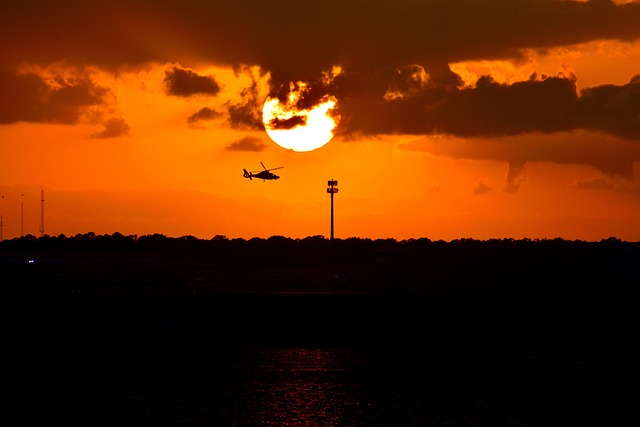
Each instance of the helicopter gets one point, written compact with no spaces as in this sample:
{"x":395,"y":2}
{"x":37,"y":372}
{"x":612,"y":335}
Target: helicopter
{"x":263,"y":174}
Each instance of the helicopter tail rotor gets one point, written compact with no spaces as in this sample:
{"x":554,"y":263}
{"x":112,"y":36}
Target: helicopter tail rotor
{"x":246,"y":174}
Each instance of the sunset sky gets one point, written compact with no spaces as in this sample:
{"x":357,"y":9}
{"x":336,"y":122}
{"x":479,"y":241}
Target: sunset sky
{"x":453,"y":118}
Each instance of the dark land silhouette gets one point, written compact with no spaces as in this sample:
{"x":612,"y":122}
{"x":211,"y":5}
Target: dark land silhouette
{"x":342,"y":289}
{"x":126,"y":330}
{"x":90,"y":263}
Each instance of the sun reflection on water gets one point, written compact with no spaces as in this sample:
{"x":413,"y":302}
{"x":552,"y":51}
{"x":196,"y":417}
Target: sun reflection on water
{"x":309,"y":390}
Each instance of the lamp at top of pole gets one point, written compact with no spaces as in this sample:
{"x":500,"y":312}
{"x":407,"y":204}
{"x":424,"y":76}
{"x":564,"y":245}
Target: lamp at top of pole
{"x":332,"y":183}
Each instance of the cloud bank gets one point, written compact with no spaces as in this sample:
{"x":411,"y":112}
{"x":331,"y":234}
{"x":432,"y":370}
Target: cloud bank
{"x":29,"y":97}
{"x":394,"y":56}
{"x":295,"y":40}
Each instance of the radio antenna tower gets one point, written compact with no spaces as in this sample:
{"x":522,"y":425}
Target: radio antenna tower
{"x":332,"y":190}
{"x":41,"y":211}
{"x":22,"y":215}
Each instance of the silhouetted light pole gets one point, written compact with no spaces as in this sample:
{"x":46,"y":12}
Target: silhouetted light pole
{"x":332,"y":190}
{"x":41,"y":211}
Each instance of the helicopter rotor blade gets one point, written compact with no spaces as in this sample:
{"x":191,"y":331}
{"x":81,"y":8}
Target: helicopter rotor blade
{"x":263,"y":166}
{"x":279,"y":167}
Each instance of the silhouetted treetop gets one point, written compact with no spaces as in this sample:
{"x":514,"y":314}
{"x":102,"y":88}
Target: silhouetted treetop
{"x":281,"y":262}
{"x":280,"y":250}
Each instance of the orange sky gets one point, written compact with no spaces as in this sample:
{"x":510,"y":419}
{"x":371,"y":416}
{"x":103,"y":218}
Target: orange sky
{"x":488,"y":119}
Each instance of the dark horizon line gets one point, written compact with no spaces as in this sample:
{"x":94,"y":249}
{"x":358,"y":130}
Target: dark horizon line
{"x":221,"y":237}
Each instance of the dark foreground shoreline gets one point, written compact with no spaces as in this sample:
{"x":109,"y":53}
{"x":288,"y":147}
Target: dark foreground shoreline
{"x":426,"y":334}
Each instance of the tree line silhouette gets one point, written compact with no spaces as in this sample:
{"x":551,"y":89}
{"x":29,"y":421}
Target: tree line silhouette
{"x":115,"y":261}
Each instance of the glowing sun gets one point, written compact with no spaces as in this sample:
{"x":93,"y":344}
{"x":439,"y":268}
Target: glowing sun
{"x":298,"y":127}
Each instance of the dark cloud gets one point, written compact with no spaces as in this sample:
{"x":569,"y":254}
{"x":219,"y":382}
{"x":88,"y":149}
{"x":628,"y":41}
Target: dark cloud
{"x":393,"y":100}
{"x":516,"y":175}
{"x":406,"y":82}
{"x":595,"y":184}
{"x":308,"y":94}
{"x":496,"y":109}
{"x":612,"y":109}
{"x":617,"y":184}
{"x":394,"y":54}
{"x":29,"y":97}
{"x":297,"y":98}
{"x":181,"y":82}
{"x":294,"y":40}
{"x":481,"y":188}
{"x":203,"y":115}
{"x":289,"y":123}
{"x":614,"y":156}
{"x":489,"y":109}
{"x":247,"y":114}
{"x":113,"y":128}
{"x":248,"y":143}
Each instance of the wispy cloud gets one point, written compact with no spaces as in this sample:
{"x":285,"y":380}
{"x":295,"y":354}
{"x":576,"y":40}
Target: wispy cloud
{"x":113,"y":128}
{"x":482,"y":188}
{"x":203,"y":115}
{"x":182,"y":82}
{"x":248,"y":143}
